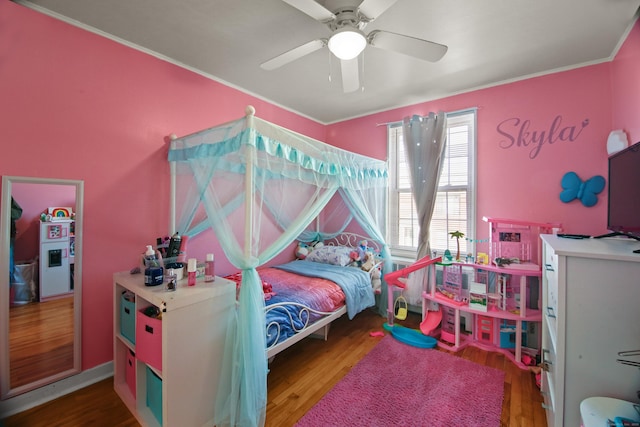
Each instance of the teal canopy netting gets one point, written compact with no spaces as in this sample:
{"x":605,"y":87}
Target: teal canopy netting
{"x":259,"y":187}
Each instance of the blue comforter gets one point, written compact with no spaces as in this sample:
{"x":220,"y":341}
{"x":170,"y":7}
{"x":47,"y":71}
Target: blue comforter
{"x":355,"y":283}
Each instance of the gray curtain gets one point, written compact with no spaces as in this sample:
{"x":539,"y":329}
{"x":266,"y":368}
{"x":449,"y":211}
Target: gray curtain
{"x":424,"y":141}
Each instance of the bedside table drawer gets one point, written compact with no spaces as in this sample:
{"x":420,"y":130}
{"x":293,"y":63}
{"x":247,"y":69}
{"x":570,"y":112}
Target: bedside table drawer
{"x":550,"y":257}
{"x":548,"y":399}
{"x":551,"y":277}
{"x":548,"y":357}
{"x":551,"y":283}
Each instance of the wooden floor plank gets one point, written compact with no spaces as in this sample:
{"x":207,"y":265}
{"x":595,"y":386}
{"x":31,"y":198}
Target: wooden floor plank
{"x":298,"y":379}
{"x":40,"y":340}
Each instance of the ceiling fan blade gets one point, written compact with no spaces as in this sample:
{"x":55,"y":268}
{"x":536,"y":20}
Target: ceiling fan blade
{"x":350,"y":75}
{"x":411,"y":46}
{"x":313,"y":9}
{"x":371,"y":9}
{"x":292,"y":55}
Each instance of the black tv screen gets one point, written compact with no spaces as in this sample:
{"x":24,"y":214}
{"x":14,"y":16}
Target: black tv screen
{"x":624,"y":192}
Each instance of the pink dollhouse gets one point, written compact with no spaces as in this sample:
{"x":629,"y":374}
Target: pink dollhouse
{"x":501,"y":297}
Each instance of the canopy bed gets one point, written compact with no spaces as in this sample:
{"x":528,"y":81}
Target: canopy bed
{"x":259,"y":188}
{"x":303,"y":297}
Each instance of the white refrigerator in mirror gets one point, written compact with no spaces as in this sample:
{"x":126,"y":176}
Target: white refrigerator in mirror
{"x":55,"y":259}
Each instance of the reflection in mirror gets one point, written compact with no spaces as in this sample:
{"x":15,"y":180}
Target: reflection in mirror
{"x":40,"y":282}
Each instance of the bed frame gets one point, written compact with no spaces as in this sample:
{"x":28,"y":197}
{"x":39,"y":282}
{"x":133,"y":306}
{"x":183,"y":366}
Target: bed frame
{"x":319,"y":328}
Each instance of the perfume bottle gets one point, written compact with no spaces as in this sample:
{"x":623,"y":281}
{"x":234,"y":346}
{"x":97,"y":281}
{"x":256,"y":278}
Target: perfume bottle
{"x":172,"y":280}
{"x":209,"y":268}
{"x":192,"y":266}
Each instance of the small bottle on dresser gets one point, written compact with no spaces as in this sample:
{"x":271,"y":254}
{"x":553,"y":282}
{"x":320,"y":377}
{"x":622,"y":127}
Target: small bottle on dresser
{"x":192,"y":267}
{"x":153,"y":270}
{"x":209,"y":268}
{"x":172,"y":280}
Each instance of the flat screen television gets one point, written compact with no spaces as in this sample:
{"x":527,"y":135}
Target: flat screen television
{"x":623,"y":218}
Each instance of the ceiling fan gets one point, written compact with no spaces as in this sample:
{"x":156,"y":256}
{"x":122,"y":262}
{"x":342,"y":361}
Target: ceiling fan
{"x":346,"y":22}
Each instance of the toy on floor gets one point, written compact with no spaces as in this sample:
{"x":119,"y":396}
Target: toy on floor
{"x":400,"y":308}
{"x":411,"y":336}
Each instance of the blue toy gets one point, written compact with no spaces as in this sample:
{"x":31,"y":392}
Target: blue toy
{"x":411,"y":336}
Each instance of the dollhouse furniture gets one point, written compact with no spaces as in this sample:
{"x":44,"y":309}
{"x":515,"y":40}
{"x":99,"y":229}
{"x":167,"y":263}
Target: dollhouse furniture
{"x":494,"y":327}
{"x":166,"y":370}
{"x":590,"y":304}
{"x":502,"y":298}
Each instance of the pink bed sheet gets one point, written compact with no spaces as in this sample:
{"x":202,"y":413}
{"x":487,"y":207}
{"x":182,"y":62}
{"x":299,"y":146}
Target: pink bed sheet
{"x":319,"y":294}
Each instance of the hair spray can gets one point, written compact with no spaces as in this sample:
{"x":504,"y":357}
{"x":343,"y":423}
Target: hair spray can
{"x":182,"y":251}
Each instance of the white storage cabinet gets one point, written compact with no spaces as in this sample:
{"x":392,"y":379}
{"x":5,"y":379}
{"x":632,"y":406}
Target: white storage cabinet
{"x":591,"y":297}
{"x":56,"y":259}
{"x":178,"y":387}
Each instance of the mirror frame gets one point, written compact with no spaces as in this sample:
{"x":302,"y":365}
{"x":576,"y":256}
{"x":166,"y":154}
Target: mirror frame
{"x":5,"y":217}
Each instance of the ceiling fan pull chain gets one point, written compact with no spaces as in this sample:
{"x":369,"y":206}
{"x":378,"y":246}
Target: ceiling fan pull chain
{"x":330,"y":66}
{"x":364,"y":55}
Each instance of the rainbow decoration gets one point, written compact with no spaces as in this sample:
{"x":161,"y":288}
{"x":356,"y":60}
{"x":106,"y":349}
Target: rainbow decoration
{"x":60,"y":212}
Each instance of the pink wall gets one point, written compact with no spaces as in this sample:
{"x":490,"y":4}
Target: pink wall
{"x":519,"y":177}
{"x":75,"y":105}
{"x":79,"y":106}
{"x":625,"y":70}
{"x":34,"y":199}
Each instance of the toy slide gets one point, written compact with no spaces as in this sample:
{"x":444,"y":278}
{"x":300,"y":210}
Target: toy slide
{"x":398,"y":278}
{"x":431,"y":321}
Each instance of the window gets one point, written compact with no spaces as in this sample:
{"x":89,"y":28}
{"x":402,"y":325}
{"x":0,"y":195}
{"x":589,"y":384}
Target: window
{"x":454,"y":209}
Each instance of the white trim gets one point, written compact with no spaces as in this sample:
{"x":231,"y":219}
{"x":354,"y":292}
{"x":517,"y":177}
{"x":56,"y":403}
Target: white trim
{"x":625,"y":36}
{"x":55,"y":390}
{"x":434,"y":97}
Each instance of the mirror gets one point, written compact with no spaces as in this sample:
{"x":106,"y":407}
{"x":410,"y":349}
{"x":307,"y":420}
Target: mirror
{"x":40,"y":303}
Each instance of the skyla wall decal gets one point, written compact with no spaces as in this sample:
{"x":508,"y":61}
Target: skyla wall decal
{"x":517,"y":133}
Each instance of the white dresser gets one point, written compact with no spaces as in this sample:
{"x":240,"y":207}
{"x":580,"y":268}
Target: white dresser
{"x":591,"y":306}
{"x":166,"y":370}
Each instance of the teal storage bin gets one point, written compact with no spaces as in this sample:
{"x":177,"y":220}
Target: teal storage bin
{"x":128,"y":319}
{"x":154,"y":394}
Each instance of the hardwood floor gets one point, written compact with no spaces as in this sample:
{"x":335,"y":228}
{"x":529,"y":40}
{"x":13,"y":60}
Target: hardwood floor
{"x":97,"y":405}
{"x":40,"y":340}
{"x":301,"y":375}
{"x":297,"y":380}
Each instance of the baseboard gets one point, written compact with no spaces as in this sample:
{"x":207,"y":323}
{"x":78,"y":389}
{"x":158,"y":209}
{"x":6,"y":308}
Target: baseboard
{"x":49,"y":392}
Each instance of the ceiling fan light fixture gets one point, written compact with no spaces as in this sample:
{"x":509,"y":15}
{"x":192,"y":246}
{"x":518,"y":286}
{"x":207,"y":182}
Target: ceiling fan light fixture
{"x":347,"y":43}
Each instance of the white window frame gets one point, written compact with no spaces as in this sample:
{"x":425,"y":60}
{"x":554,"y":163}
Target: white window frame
{"x":394,"y":131}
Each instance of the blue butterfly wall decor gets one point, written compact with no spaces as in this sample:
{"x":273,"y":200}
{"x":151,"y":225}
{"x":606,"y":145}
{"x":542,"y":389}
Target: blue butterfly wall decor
{"x":586,"y":192}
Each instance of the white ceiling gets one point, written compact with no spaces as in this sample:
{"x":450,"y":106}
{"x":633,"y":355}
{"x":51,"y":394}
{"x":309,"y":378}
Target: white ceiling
{"x":490,"y":41}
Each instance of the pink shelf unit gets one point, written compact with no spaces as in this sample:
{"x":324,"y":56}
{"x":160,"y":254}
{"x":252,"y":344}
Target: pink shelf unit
{"x":514,"y":239}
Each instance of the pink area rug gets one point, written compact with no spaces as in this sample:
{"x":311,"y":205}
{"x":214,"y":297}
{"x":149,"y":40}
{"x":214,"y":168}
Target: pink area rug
{"x":400,"y":385}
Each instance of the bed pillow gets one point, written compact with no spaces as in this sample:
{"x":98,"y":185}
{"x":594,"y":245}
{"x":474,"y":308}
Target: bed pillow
{"x":336,"y":255}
